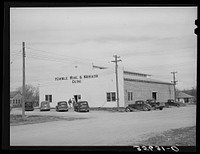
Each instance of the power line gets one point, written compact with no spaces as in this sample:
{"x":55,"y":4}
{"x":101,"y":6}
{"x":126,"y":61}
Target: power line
{"x":15,"y":55}
{"x":68,"y":57}
{"x":56,"y":59}
{"x":55,"y":54}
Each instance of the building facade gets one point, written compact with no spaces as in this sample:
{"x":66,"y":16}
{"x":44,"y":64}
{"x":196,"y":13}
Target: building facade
{"x":184,"y":98}
{"x":15,"y":99}
{"x":97,"y":85}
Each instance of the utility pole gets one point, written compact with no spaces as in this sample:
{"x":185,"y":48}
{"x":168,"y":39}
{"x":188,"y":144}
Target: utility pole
{"x":116,"y":72}
{"x":174,"y":82}
{"x":23,"y":86}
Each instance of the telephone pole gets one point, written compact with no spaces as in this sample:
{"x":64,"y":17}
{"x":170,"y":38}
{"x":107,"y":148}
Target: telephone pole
{"x":174,"y":82}
{"x":116,"y":72}
{"x":23,"y":85}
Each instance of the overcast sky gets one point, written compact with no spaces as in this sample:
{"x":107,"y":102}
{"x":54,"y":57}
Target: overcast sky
{"x":148,"y":40}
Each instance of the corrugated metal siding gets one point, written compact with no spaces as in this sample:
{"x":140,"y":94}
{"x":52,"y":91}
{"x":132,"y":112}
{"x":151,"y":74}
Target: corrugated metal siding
{"x":143,"y":90}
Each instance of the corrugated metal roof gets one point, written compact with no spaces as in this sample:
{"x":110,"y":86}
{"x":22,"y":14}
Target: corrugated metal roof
{"x":135,"y":73}
{"x":147,"y":80}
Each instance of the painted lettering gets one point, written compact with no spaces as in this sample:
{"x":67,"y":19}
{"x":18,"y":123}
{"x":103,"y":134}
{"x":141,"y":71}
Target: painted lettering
{"x":76,"y":81}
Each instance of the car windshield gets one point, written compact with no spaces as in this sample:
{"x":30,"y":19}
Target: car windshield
{"x":45,"y":103}
{"x":83,"y":103}
{"x":139,"y":102}
{"x":62,"y":103}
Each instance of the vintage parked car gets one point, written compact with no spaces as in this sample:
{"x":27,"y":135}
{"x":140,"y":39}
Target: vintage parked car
{"x":45,"y":106}
{"x":171,"y":102}
{"x":154,"y":104}
{"x":139,"y":105}
{"x":81,"y":106}
{"x":29,"y":106}
{"x":62,"y":106}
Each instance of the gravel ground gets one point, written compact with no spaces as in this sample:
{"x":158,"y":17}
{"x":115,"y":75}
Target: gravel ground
{"x":100,"y":128}
{"x":181,"y":137}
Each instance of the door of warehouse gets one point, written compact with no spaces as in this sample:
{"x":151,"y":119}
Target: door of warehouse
{"x":77,"y":98}
{"x":154,"y":95}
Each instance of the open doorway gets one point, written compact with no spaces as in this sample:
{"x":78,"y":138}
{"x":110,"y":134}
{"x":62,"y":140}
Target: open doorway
{"x":77,"y":98}
{"x":154,"y":95}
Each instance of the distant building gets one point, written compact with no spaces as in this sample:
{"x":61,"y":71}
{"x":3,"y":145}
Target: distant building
{"x":97,"y":85}
{"x":15,"y":98}
{"x":183,"y":97}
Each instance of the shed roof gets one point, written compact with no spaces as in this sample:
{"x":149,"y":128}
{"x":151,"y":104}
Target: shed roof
{"x":183,"y":95}
{"x":135,"y":73}
{"x":148,"y":80}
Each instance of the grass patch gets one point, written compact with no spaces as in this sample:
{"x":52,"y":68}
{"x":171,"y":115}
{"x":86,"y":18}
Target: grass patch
{"x":181,"y":137}
{"x":32,"y":119}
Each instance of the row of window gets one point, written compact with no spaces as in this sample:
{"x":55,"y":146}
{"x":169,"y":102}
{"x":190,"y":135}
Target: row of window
{"x":111,"y":97}
{"x":48,"y":98}
{"x":15,"y":101}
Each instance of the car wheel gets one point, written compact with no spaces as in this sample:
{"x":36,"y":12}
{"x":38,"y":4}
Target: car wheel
{"x":127,"y":110}
{"x":145,"y":108}
{"x":161,"y":108}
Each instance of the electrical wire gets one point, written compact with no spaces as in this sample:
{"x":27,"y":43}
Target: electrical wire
{"x":55,"y":59}
{"x":75,"y":59}
{"x":15,"y":55}
{"x":63,"y":56}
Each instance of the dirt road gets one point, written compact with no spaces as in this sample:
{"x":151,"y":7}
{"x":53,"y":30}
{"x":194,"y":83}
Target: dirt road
{"x":100,"y":128}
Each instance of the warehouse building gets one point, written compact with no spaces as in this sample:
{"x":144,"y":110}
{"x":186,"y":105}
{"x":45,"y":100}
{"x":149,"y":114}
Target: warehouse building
{"x":97,"y":85}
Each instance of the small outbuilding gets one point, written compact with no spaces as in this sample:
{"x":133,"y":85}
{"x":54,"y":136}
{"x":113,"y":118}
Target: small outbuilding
{"x":15,"y":98}
{"x":184,"y":98}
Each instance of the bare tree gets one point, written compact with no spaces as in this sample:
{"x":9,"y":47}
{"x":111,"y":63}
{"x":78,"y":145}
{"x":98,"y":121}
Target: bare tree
{"x":31,"y":92}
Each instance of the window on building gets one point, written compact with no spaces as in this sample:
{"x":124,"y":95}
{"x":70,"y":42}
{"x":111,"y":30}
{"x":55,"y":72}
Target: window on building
{"x":48,"y":98}
{"x":111,"y":96}
{"x":108,"y":97}
{"x":130,"y":96}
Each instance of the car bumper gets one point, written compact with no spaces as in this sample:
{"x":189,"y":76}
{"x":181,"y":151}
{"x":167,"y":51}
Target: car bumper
{"x":83,"y":109}
{"x":62,"y":109}
{"x":29,"y":109}
{"x":45,"y":109}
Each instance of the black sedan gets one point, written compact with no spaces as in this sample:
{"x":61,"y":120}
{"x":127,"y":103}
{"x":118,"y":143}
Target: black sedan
{"x":29,"y":106}
{"x":154,"y":104}
{"x":62,"y":106}
{"x":171,"y":102}
{"x":81,"y":106}
{"x":139,"y":105}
